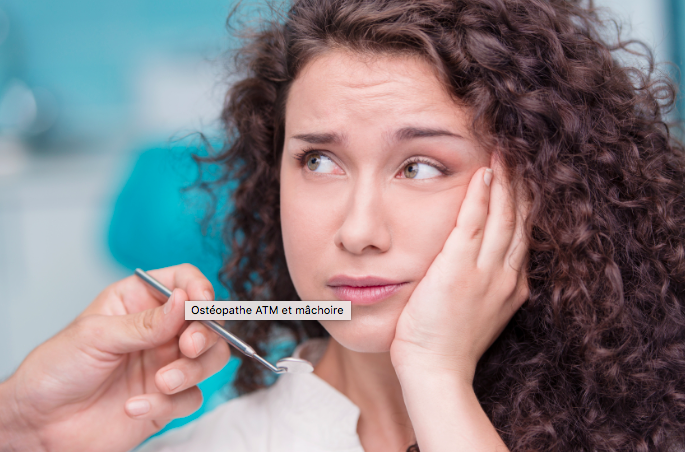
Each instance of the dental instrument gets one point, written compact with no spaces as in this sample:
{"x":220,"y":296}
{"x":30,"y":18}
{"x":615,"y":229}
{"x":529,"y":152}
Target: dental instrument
{"x":285,"y":365}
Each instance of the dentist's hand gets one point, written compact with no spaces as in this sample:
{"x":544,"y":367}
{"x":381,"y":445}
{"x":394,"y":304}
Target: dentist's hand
{"x":117,"y":374}
{"x":473,"y":287}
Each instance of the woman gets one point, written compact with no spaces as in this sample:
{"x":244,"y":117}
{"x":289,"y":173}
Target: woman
{"x":347,"y":101}
{"x":539,"y":307}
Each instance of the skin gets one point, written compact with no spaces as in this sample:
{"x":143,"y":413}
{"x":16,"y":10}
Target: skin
{"x":379,"y":222}
{"x":79,"y":389}
{"x":453,"y":239}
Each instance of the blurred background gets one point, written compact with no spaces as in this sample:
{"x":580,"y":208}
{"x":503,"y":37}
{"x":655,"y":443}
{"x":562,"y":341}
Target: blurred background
{"x":95,"y":99}
{"x":87,"y":90}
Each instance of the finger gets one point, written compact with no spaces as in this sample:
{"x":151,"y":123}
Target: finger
{"x":187,"y":277}
{"x":140,"y":331}
{"x":134,"y":295}
{"x":465,"y":240}
{"x":501,"y":221}
{"x":164,"y":407}
{"x":185,"y":372}
{"x":196,"y":339}
{"x":517,"y":253}
{"x":128,"y":296}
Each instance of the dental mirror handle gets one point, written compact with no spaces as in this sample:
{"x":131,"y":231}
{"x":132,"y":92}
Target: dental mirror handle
{"x":212,"y":325}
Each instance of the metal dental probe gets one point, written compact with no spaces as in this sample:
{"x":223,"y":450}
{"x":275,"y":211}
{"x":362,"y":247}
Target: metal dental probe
{"x":285,"y":365}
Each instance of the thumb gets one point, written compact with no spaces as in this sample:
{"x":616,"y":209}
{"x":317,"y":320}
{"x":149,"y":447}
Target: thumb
{"x":120,"y":334}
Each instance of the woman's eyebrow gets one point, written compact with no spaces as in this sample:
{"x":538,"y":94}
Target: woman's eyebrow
{"x":321,"y":138}
{"x":403,"y":134}
{"x":409,"y":133}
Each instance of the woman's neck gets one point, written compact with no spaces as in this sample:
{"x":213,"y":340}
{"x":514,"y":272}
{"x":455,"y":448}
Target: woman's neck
{"x":370,"y":382}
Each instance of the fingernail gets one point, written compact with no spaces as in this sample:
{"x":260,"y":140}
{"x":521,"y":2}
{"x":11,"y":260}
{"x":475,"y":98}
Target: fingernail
{"x":173,"y":378}
{"x":198,"y":342}
{"x":137,"y":407}
{"x":170,"y":301}
{"x":487,"y":177}
{"x":208,"y":296}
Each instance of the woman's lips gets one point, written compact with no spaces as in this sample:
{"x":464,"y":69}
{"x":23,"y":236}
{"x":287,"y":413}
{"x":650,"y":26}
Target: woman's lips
{"x":363,"y":290}
{"x":365,"y":295}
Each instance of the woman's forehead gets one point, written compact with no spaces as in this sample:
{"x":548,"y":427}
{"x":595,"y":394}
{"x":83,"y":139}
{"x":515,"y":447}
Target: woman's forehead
{"x":346,"y":88}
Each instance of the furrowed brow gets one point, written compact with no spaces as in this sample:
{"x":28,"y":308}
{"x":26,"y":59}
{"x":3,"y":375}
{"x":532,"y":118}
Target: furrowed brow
{"x":403,"y":134}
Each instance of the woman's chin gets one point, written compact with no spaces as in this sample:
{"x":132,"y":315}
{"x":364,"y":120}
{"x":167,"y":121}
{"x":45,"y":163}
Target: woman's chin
{"x":361,"y":336}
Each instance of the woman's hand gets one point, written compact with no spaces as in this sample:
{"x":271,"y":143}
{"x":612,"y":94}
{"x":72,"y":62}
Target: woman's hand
{"x":472,"y":288}
{"x":117,"y":374}
{"x":468,"y":295}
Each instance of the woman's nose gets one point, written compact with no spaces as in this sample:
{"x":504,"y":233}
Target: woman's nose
{"x":365,"y":225}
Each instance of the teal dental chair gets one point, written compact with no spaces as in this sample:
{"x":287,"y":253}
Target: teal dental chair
{"x":157,"y":223}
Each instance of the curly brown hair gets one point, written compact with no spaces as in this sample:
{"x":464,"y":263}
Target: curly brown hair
{"x":595,"y":359}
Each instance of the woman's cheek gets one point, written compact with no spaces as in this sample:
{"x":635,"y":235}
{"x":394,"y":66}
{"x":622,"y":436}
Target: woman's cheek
{"x":419,"y":223}
{"x":423,"y":221}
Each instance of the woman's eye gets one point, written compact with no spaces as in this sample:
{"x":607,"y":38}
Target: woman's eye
{"x":418,"y":170}
{"x":319,"y":163}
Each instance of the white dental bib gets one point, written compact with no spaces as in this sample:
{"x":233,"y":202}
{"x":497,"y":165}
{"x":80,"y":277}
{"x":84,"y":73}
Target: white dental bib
{"x":298,"y":413}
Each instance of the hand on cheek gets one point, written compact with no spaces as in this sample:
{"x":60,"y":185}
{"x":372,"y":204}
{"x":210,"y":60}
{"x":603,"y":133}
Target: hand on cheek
{"x":473,"y":287}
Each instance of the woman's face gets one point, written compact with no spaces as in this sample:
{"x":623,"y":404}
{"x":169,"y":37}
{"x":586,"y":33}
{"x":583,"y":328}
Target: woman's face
{"x":376,"y":162}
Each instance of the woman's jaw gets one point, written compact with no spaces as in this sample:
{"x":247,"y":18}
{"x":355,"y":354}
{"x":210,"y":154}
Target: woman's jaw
{"x":372,"y":328}
{"x":365,"y":292}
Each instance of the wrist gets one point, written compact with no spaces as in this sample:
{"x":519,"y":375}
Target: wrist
{"x":426,"y":367}
{"x":446,"y":413}
{"x":419,"y":380}
{"x":16,"y":434}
